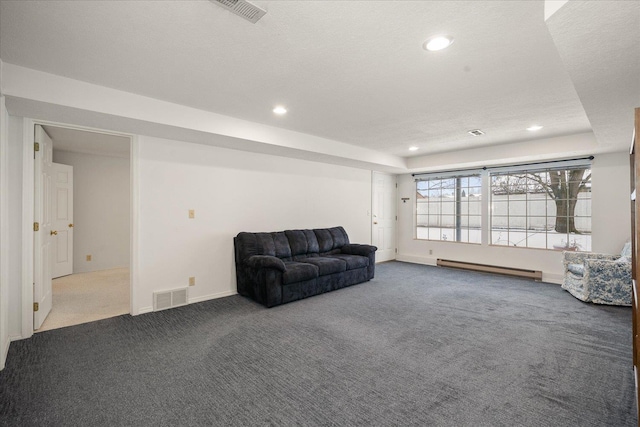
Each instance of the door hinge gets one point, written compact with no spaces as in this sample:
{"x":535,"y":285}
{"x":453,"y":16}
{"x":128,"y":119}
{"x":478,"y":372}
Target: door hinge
{"x":396,"y":185}
{"x":396,"y":217}
{"x":396,"y":250}
{"x":36,"y":146}
{"x":36,"y":226}
{"x":36,"y":306}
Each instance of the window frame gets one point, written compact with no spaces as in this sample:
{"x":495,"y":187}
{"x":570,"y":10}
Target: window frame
{"x":553,"y":240}
{"x":533,"y":210}
{"x":458,"y":231}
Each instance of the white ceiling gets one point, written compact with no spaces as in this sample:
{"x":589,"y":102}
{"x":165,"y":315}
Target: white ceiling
{"x":348,"y":71}
{"x":605,"y":70}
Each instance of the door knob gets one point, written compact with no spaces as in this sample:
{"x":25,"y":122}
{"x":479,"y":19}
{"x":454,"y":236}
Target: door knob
{"x":54,"y":233}
{"x":70,"y":225}
{"x":375,"y":222}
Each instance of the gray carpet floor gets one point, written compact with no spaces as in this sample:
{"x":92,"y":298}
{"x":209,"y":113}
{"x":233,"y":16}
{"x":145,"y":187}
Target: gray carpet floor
{"x":417,"y":345}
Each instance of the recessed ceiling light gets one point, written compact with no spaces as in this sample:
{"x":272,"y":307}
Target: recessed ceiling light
{"x":476,"y":132}
{"x":437,"y":43}
{"x":534,"y":128}
{"x":280,"y":110}
{"x":414,"y":148}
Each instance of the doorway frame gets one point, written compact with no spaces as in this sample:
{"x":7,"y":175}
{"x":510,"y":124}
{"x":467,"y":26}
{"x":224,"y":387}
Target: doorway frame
{"x":28,"y":194}
{"x":394,"y":203}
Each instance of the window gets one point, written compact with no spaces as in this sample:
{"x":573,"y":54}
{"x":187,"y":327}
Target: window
{"x":543,"y":208}
{"x":449,"y":208}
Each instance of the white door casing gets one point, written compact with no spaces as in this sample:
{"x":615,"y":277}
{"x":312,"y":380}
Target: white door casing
{"x":42,"y":262}
{"x":383,"y":227}
{"x":28,"y":201}
{"x":62,"y":209}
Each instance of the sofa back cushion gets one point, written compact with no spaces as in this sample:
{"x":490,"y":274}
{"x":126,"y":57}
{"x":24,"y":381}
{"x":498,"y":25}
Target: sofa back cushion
{"x":283,"y":250}
{"x":331,"y":239}
{"x":303,"y":243}
{"x":272,"y":244}
{"x":249,"y":244}
{"x":291,"y":244}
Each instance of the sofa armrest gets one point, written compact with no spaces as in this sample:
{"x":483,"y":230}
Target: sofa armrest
{"x":265,"y":261}
{"x":354,"y":249}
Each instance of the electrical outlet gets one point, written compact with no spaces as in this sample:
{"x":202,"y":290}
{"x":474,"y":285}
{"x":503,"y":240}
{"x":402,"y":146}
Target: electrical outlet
{"x":192,"y":281}
{"x":88,"y":257}
{"x":430,"y":251}
{"x":192,"y":213}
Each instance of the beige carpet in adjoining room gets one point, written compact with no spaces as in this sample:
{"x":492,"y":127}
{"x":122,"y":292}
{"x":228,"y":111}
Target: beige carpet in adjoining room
{"x":85,"y":297}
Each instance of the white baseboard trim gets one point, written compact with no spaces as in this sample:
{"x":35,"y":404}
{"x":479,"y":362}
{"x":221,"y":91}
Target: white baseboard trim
{"x":554,"y":278}
{"x":212,"y":296}
{"x":145,"y":310}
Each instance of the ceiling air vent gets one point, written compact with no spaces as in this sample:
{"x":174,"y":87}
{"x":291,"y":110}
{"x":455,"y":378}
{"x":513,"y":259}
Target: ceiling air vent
{"x":242,"y":8}
{"x":476,"y":132}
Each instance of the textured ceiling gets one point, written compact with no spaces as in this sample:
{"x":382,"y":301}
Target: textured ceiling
{"x":349,"y":71}
{"x":606,"y":70}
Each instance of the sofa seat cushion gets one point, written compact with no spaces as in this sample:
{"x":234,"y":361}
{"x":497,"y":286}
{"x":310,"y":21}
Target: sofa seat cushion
{"x":298,"y":272}
{"x":326,"y":265}
{"x":577,"y":269}
{"x":353,"y":261}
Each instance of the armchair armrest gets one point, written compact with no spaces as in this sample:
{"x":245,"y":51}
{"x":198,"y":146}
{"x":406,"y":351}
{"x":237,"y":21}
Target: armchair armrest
{"x":570,"y":257}
{"x":265,"y":261}
{"x":354,"y":249}
{"x":613,"y":270}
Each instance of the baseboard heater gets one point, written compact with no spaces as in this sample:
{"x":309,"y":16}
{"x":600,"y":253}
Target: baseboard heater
{"x":532,"y":274}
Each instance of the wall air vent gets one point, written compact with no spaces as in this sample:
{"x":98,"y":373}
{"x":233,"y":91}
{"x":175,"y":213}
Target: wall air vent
{"x":169,"y":299}
{"x":242,"y":8}
{"x":476,"y":132}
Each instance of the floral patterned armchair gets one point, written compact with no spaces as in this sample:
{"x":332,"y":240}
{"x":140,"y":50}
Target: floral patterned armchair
{"x":599,"y":278}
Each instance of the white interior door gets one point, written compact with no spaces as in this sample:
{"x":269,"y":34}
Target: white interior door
{"x":42,"y":262}
{"x":383,"y":231}
{"x":62,"y":220}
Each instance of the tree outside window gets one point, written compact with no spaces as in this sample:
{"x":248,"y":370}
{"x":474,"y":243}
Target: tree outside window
{"x":542,"y":209}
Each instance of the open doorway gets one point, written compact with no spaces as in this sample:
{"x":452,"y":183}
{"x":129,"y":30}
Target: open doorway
{"x":83,"y":250}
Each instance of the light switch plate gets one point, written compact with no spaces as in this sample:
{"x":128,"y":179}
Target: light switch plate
{"x":192,"y":213}
{"x":192,"y":281}
{"x":88,"y":257}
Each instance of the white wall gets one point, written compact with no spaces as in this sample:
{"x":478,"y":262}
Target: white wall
{"x":231,"y":191}
{"x":552,"y":6}
{"x":611,"y":226}
{"x":4,"y":230}
{"x":101,"y":210}
{"x":16,"y":225}
{"x":611,"y":205}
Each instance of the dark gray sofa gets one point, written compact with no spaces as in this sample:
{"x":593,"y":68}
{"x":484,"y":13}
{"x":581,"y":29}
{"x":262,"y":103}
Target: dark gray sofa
{"x":284,"y":266}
